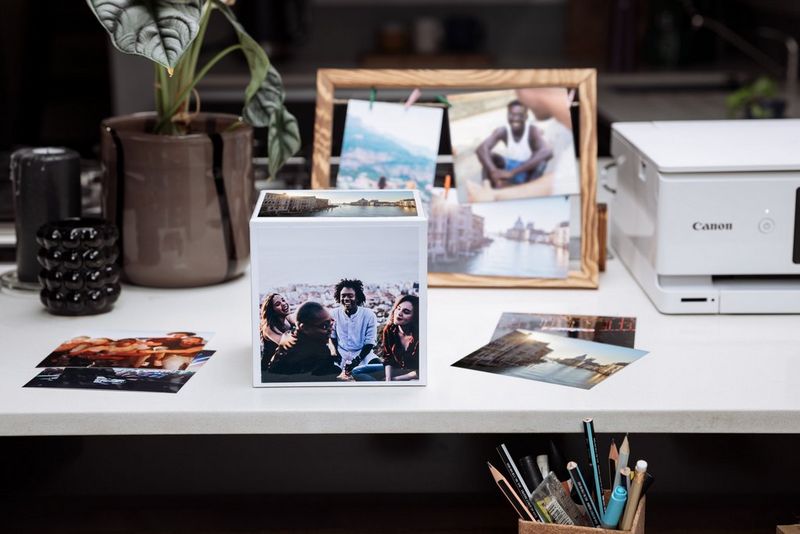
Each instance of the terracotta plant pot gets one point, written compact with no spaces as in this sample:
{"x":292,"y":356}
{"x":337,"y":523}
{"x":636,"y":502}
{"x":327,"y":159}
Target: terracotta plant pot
{"x":182,"y":203}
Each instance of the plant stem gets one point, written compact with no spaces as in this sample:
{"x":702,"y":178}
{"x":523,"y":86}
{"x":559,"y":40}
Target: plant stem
{"x":179,"y":100}
{"x":194,"y":50}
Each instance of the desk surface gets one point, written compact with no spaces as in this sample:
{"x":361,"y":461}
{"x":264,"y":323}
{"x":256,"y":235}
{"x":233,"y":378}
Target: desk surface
{"x":704,"y":374}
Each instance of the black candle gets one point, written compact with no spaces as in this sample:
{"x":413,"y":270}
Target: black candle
{"x":47,"y":186}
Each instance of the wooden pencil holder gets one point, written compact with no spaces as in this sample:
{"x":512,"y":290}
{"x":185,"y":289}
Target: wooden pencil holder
{"x":530,"y":527}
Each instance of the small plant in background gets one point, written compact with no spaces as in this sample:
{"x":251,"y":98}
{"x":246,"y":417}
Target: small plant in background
{"x":758,"y":100}
{"x":170,"y":33}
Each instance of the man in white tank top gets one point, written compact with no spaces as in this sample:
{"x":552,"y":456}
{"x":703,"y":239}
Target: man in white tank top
{"x":526,"y":154}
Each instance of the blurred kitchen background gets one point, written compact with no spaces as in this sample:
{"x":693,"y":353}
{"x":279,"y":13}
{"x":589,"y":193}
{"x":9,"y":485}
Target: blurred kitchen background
{"x":657,"y":59}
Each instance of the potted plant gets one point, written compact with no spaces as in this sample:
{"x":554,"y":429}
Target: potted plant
{"x":179,"y":182}
{"x":759,"y":100}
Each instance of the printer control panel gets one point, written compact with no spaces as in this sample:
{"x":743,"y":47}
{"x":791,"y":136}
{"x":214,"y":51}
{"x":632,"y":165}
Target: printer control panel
{"x":727,"y":223}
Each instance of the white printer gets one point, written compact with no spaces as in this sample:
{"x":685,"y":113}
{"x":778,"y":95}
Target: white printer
{"x":707,"y":213}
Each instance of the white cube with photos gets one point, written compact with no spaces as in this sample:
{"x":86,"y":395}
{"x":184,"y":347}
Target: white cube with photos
{"x":339,"y":288}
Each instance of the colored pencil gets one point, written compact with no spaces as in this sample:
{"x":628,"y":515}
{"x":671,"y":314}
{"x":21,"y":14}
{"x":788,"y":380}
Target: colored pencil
{"x":510,"y":494}
{"x":594,"y":464}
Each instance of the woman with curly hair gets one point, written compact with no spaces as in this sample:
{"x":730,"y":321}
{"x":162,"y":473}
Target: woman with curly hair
{"x":400,"y":344}
{"x":275,"y":323}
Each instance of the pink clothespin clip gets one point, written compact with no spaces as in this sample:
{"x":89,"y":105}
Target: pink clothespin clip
{"x":413,"y":97}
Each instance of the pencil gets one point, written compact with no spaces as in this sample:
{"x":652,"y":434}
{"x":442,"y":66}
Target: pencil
{"x":633,"y":496}
{"x":583,"y":492}
{"x":624,"y":453}
{"x":613,"y":460}
{"x":510,"y":494}
{"x":625,"y":474}
{"x":594,"y":464}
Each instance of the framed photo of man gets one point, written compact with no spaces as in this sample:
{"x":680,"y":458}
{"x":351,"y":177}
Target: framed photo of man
{"x":519,"y":150}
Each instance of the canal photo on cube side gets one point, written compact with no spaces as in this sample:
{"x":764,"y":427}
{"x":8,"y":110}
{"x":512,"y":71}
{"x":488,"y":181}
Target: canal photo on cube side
{"x":517,"y":238}
{"x":549,"y":358}
{"x":327,"y":203}
{"x":389,"y":146}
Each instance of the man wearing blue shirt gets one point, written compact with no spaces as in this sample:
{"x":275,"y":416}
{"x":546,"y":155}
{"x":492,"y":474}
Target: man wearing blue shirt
{"x":355,"y":328}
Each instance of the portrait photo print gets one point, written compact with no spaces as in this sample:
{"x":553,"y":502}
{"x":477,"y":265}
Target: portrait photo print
{"x":339,"y":305}
{"x":513,"y":144}
{"x":389,"y":146}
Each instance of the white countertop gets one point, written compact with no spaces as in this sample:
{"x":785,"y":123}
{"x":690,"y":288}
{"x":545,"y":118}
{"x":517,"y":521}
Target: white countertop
{"x":704,"y":374}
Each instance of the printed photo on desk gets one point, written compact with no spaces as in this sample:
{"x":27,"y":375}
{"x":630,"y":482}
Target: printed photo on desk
{"x":513,"y":144}
{"x":171,"y":351}
{"x":340,"y":301}
{"x":389,"y":146}
{"x":111,"y":379}
{"x":520,"y":238}
{"x":619,"y":331}
{"x":549,"y":358}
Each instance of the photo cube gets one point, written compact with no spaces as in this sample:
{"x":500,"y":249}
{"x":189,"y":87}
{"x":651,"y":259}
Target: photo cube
{"x":339,"y":288}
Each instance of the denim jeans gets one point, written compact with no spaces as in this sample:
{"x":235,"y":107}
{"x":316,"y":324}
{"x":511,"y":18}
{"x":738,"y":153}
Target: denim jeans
{"x":371,"y":372}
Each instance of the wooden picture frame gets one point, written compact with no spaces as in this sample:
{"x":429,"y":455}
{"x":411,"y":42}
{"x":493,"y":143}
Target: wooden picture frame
{"x":583,"y":80}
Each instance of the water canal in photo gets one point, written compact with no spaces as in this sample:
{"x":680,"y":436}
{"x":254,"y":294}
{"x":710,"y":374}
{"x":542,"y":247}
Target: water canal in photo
{"x":344,"y":210}
{"x":510,"y":257}
{"x":557,"y":373}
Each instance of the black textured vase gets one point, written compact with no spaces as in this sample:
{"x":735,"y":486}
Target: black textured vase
{"x":79,"y":275}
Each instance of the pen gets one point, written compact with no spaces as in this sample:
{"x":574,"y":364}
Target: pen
{"x":594,"y":463}
{"x":558,"y":463}
{"x":510,"y":494}
{"x":583,"y":492}
{"x":541,"y":461}
{"x":624,"y":453}
{"x":530,"y":472}
{"x":633,"y":495}
{"x":616,"y":504}
{"x":648,"y":481}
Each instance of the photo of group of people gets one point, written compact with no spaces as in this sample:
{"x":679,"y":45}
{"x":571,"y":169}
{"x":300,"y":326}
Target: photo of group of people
{"x":349,"y":332}
{"x":346,"y":307}
{"x":134,"y":361}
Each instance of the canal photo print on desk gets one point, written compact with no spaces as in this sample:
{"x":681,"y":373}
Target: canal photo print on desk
{"x":570,"y":98}
{"x":548,"y":358}
{"x":338,"y":288}
{"x":620,"y":331}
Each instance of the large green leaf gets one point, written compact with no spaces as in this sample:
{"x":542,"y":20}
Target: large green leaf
{"x":269,"y":98}
{"x":160,"y":30}
{"x":257,"y":59}
{"x":284,"y":139}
